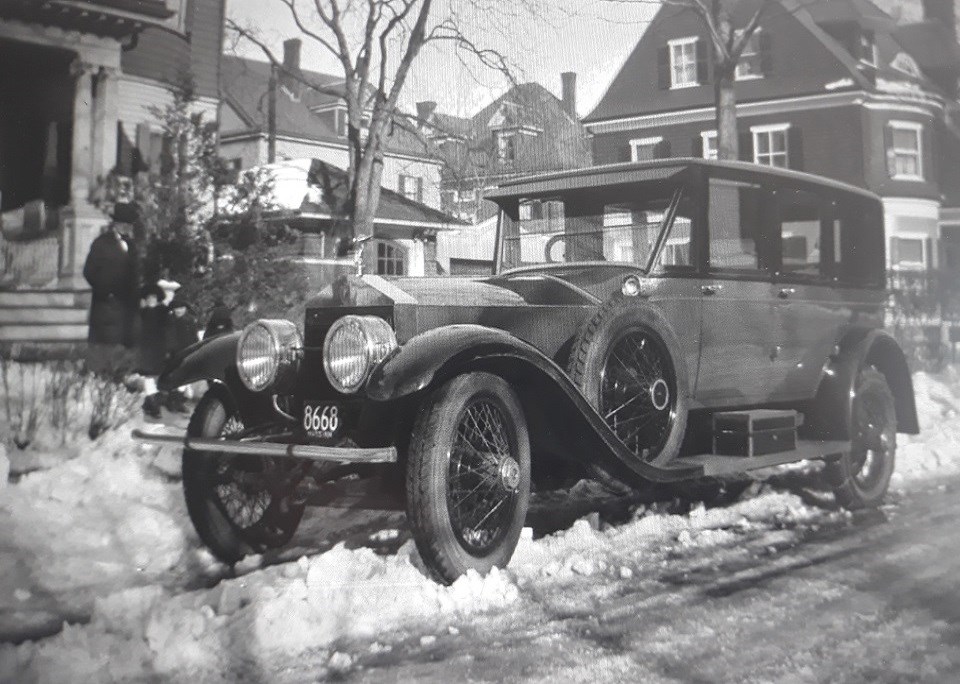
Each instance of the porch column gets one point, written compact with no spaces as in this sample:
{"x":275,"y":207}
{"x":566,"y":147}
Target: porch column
{"x":105,"y":116}
{"x":81,"y":222}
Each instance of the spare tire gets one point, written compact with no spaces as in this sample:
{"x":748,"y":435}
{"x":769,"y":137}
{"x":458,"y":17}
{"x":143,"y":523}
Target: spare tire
{"x":625,"y":359}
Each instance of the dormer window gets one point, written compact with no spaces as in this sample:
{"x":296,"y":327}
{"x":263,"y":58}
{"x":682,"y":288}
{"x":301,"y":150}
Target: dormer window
{"x":749,"y":66}
{"x":506,"y":145}
{"x":683,"y":62}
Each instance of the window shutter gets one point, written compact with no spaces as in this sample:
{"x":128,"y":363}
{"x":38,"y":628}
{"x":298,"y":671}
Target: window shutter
{"x":626,"y":153}
{"x":766,"y":55}
{"x":894,"y":251}
{"x":420,"y":190}
{"x":661,"y":150}
{"x":928,"y":254}
{"x":143,"y":143}
{"x":795,"y":148}
{"x":663,"y":67}
{"x":888,"y":151}
{"x":746,"y":146}
{"x":703,"y":62}
{"x":697,"y":146}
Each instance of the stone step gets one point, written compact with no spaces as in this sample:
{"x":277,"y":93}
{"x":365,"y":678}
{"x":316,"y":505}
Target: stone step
{"x":29,"y":316}
{"x":64,"y":332}
{"x":66,"y":299}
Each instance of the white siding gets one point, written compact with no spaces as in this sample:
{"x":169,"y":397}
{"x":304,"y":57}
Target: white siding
{"x":138,"y":97}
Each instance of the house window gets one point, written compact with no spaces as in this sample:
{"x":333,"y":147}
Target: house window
{"x":770,"y":145}
{"x":340,"y":121}
{"x":506,"y":146}
{"x":709,"y":139}
{"x":411,"y":187}
{"x":645,"y":149}
{"x":683,"y":62}
{"x":749,"y":64}
{"x":908,"y":253}
{"x":868,"y":49}
{"x":390,"y":259}
{"x":904,"y":145}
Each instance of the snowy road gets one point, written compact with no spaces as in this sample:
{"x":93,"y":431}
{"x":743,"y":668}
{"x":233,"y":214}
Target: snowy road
{"x":875,"y":601}
{"x":778,"y":587}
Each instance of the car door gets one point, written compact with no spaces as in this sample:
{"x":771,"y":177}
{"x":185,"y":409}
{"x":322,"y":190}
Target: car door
{"x":738,"y":301}
{"x":809,"y":313}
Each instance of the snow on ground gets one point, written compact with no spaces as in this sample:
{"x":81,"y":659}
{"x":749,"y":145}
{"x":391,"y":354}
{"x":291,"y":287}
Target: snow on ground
{"x":106,"y":535}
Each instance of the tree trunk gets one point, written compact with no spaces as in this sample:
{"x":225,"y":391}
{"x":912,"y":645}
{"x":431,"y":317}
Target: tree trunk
{"x":726,"y":96}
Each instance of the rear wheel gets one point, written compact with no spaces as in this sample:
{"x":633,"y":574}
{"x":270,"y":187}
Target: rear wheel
{"x":238,"y":504}
{"x":468,"y":476}
{"x":861,"y":477}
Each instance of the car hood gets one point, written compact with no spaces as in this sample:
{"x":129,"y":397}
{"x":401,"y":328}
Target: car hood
{"x":540,"y":308}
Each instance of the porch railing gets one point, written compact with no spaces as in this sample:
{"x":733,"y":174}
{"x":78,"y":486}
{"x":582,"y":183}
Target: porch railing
{"x":29,"y":262}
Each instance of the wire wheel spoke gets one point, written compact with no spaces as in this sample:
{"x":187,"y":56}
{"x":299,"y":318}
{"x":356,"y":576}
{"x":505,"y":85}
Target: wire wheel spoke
{"x":238,"y":483}
{"x":479,"y":500}
{"x":636,"y":396}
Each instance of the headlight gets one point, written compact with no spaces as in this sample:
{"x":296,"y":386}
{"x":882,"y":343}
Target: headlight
{"x":267,"y":352}
{"x":353,"y":347}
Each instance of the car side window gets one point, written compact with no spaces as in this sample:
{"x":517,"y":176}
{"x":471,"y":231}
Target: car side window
{"x":738,"y":243}
{"x":856,"y":243}
{"x":802,"y":227}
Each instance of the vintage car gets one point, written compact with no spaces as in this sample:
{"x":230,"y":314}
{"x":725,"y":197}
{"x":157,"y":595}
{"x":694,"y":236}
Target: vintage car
{"x":645,"y":323}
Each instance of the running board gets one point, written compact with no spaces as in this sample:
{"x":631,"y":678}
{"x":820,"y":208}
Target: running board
{"x":715,"y":465}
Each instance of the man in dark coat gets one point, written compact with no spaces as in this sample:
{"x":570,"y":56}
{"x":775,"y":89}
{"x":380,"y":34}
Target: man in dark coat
{"x":111,"y":270}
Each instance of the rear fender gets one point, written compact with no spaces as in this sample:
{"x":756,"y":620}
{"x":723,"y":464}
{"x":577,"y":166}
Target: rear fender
{"x":558,"y":413}
{"x":831,"y":413}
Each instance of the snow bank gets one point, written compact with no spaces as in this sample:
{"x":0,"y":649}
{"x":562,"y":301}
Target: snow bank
{"x":108,"y":516}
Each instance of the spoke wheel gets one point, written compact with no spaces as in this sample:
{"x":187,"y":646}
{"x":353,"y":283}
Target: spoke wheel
{"x":238,"y":504}
{"x":861,"y":477}
{"x":468,"y":476}
{"x":483,"y":478}
{"x":635,"y":396}
{"x":625,"y":359}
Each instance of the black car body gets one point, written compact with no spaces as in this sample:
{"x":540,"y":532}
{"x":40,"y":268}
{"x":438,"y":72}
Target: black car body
{"x":650,"y":322}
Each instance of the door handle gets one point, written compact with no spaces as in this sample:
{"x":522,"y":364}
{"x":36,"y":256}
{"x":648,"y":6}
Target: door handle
{"x":711,"y":289}
{"x":785,"y":292}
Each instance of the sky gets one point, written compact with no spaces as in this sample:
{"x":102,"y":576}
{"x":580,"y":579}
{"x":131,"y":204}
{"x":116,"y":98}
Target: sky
{"x":590,"y":37}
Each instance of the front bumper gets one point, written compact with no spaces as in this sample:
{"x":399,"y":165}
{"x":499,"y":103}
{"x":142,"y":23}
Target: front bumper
{"x":311,"y":452}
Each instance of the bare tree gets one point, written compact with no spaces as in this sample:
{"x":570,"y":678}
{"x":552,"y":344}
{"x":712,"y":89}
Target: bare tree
{"x":727,"y":43}
{"x":375,"y":42}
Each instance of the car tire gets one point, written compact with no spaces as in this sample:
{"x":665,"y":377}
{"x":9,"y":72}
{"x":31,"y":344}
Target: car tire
{"x":205,"y":474}
{"x":606,"y":382}
{"x":468,"y":476}
{"x":861,"y":477}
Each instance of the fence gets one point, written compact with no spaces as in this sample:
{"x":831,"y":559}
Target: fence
{"x":923,"y":313}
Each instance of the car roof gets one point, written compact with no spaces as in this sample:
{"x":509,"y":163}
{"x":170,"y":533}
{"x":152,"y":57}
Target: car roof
{"x":658,"y":169}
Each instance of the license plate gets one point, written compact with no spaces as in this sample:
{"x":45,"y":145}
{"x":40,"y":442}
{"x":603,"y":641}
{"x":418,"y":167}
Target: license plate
{"x":322,"y":419}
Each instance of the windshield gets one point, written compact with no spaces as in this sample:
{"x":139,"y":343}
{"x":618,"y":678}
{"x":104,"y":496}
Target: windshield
{"x":622,"y":227}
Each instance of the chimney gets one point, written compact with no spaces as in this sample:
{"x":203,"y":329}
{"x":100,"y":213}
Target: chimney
{"x":424,"y":112}
{"x":291,"y":54}
{"x":568,"y":90}
{"x":941,"y":12}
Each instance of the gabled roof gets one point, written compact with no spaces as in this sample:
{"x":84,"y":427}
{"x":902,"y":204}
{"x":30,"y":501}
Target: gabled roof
{"x":245,"y":90}
{"x":554,"y":140}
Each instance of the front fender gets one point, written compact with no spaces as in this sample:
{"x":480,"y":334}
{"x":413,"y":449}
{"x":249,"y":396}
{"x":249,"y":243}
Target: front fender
{"x":211,"y":359}
{"x":546,"y":392}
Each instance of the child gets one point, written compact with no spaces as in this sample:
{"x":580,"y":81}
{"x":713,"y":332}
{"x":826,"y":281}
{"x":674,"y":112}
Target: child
{"x":181,"y":332}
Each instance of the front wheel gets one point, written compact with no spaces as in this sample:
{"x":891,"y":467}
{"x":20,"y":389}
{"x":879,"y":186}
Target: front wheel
{"x":468,"y":476}
{"x":861,"y":477}
{"x":238,"y":505}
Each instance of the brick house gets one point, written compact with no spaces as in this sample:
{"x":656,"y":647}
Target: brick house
{"x":311,"y":131}
{"x":836,"y":88}
{"x":77,"y":81}
{"x":526,"y":130}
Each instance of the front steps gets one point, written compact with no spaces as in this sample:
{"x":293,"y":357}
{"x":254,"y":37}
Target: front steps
{"x":47,"y":315}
